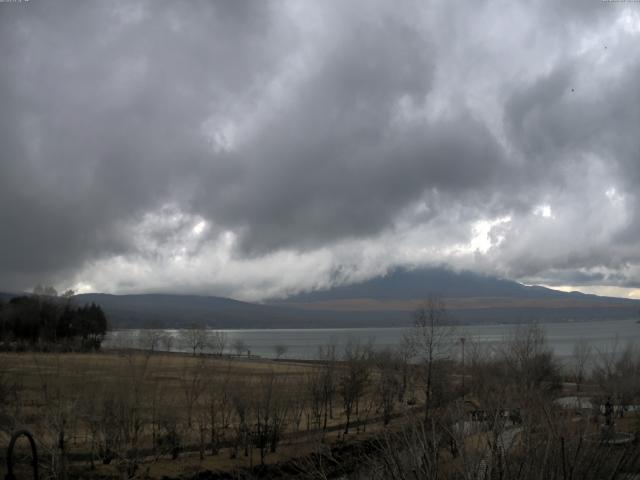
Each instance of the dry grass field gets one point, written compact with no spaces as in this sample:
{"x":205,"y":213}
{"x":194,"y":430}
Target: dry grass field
{"x":136,"y":414}
{"x":164,"y":412}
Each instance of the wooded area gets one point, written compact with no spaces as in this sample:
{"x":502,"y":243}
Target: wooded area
{"x":48,"y":322}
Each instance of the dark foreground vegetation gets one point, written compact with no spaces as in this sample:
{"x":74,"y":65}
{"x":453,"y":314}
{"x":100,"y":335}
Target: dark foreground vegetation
{"x":437,"y":407}
{"x":47,"y":322}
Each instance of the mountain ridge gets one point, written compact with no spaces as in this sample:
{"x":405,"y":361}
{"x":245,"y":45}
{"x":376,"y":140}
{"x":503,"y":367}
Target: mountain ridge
{"x":401,"y":283}
{"x":382,"y":301}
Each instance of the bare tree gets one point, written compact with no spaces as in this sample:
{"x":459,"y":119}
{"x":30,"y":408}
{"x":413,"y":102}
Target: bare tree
{"x":353,"y":380}
{"x":239,"y":346}
{"x":316,"y":399}
{"x":10,"y":402}
{"x":218,"y":342}
{"x":403,"y":354}
{"x":151,"y":339}
{"x":431,"y":339}
{"x":171,"y":430}
{"x":242,"y":406}
{"x":270,"y":407}
{"x":194,"y":338}
{"x":410,"y":453}
{"x":530,"y":360}
{"x":58,"y":415}
{"x":219,"y":407}
{"x":123,"y":416}
{"x":298,"y":403}
{"x":618,"y":374}
{"x":327,"y":354}
{"x":192,"y":385}
{"x":89,"y":413}
{"x":582,"y":351}
{"x":167,"y":341}
{"x":279,"y":350}
{"x":387,"y":384}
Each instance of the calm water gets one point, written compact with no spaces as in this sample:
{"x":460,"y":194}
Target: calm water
{"x":603,"y":336}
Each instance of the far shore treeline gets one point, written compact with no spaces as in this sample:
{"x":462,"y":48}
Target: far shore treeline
{"x":50,"y":322}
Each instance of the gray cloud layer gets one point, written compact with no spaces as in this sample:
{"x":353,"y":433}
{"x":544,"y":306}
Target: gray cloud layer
{"x":256,"y":148}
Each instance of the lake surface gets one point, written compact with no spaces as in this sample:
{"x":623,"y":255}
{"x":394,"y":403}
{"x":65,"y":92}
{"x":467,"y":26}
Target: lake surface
{"x":604,"y":336}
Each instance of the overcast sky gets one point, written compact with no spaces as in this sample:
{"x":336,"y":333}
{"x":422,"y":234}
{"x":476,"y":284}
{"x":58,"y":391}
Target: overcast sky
{"x":255,"y":149}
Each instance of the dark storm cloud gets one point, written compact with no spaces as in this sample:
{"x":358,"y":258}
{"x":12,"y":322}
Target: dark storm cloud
{"x":311,"y":194}
{"x":102,"y":117}
{"x":580,"y":114}
{"x":145,"y":137}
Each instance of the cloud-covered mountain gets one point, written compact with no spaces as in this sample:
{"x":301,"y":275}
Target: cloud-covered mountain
{"x":403,"y":284}
{"x":384,"y":301}
{"x":254,"y":149}
{"x":468,"y":296}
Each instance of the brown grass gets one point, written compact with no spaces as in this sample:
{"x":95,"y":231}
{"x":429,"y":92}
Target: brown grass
{"x":47,"y":383}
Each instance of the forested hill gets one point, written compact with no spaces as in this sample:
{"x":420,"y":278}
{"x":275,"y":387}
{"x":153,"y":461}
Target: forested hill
{"x":38,"y":322}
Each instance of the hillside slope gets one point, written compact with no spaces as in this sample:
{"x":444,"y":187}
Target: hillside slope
{"x":468,"y":296}
{"x":383,"y":301}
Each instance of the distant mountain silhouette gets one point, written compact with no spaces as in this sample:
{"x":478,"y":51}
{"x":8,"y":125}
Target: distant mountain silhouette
{"x":383,"y":301}
{"x":159,"y":310}
{"x":470,"y":297}
{"x":7,"y":296}
{"x":402,"y":284}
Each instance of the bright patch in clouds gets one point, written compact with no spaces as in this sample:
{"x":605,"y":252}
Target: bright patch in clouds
{"x":482,"y":239}
{"x":199,"y":227}
{"x":614,"y":197}
{"x":543,"y":211}
{"x":603,"y":290}
{"x":630,"y":21}
{"x":82,"y":287}
{"x":484,"y":236}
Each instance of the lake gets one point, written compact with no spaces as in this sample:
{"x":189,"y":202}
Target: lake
{"x":603,"y":336}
